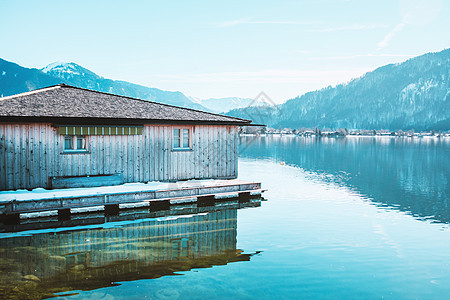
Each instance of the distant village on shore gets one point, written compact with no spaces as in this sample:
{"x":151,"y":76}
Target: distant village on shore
{"x":341,"y":132}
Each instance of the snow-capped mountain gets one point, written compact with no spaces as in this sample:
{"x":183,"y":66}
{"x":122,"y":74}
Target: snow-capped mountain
{"x":67,"y":71}
{"x":414,"y":94}
{"x":74,"y":74}
{"x":15,"y":79}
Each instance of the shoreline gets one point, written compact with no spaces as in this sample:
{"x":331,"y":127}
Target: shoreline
{"x":446,"y":136}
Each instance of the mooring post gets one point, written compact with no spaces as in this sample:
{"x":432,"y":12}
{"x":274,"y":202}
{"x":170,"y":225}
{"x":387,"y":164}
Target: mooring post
{"x":112,"y":209}
{"x":10,"y":218}
{"x":205,"y":201}
{"x":64,"y":214}
{"x":244,"y":197}
{"x":159,"y":205}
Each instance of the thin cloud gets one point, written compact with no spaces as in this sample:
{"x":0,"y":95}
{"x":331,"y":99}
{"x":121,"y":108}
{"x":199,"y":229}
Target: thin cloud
{"x":324,"y":29}
{"x":233,"y":23}
{"x":266,"y":76}
{"x":388,"y":37}
{"x":248,"y":21}
{"x":414,"y":12}
{"x":344,"y":57}
{"x":348,"y":28}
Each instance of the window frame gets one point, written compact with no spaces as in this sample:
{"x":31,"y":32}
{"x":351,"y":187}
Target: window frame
{"x":181,"y":138}
{"x":75,"y":149}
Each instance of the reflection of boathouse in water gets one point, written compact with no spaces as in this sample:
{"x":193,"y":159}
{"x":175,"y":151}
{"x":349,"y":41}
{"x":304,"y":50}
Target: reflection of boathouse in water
{"x":91,"y":258}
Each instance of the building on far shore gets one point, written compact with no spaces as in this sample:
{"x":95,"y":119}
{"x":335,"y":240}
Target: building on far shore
{"x":64,"y":136}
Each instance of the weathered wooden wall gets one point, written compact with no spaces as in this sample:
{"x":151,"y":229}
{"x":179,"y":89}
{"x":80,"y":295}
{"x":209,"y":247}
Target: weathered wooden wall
{"x":31,"y":153}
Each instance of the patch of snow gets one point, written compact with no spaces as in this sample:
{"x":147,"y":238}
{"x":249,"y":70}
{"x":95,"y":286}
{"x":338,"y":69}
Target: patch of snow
{"x":81,"y":210}
{"x":3,"y":73}
{"x":41,"y":193}
{"x":428,"y":85}
{"x":51,"y":66}
{"x":61,"y":68}
{"x":134,"y":205}
{"x":227,"y":195}
{"x":30,"y":93}
{"x":410,"y":87}
{"x":408,"y":93}
{"x":183,"y":200}
{"x":199,"y":183}
{"x":42,"y":214}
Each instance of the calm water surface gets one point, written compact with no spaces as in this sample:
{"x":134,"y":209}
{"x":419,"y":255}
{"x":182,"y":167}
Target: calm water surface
{"x":358,"y":218}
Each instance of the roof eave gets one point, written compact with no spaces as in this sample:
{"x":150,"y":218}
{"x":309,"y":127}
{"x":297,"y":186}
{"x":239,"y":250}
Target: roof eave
{"x":114,"y":121}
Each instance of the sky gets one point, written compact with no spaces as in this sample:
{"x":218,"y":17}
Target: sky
{"x":212,"y":49}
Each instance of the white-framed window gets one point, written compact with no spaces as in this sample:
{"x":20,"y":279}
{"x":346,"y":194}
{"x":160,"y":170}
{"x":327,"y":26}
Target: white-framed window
{"x":181,"y":138}
{"x":75,"y":143}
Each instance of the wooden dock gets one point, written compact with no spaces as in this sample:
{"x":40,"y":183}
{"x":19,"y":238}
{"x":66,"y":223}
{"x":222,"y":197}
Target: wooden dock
{"x":112,"y":203}
{"x":98,"y":218}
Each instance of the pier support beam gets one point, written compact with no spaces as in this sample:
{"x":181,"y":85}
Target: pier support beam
{"x":10,"y":218}
{"x":112,"y":209}
{"x":205,"y":200}
{"x":244,"y":197}
{"x":64,"y":214}
{"x":159,"y":205}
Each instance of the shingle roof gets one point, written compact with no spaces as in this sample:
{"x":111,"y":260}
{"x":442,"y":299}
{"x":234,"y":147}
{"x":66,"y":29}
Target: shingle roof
{"x":63,"y":101}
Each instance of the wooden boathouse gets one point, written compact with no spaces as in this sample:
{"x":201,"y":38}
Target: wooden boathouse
{"x":64,"y":136}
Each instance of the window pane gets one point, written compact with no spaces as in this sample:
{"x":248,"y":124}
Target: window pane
{"x":68,"y":142}
{"x":176,"y":138}
{"x":81,"y":142}
{"x":185,"y":138}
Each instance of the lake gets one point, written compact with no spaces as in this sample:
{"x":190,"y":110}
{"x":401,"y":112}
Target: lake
{"x":354,"y":217}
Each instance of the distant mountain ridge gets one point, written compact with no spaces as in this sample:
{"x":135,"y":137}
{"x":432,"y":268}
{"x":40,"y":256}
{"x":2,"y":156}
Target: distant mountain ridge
{"x":414,"y":94}
{"x":223,"y":105}
{"x":15,"y":79}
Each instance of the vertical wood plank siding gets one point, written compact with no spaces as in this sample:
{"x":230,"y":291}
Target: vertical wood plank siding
{"x":31,"y":153}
